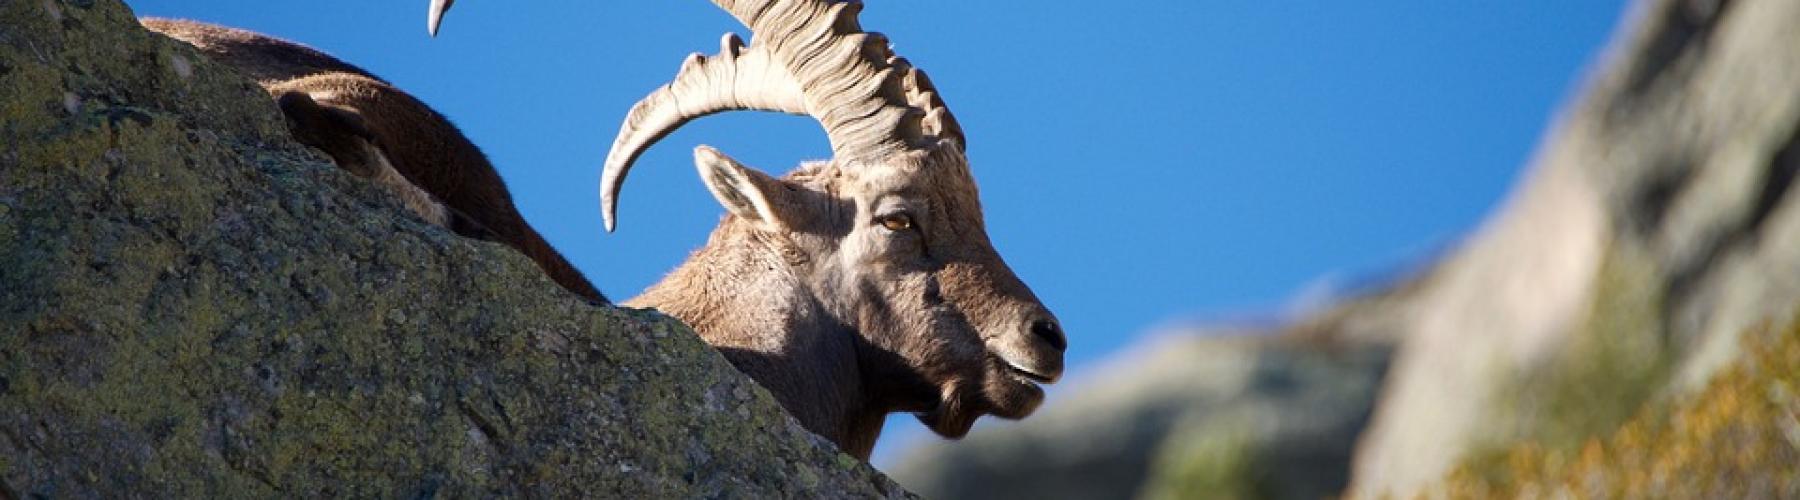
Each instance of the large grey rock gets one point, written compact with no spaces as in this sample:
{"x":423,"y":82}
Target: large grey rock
{"x":192,"y":305}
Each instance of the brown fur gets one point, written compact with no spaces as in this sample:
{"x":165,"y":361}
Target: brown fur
{"x":861,"y":286}
{"x":345,"y":108}
{"x":846,"y":321}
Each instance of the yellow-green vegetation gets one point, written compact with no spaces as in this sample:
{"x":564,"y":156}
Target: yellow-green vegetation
{"x":1217,"y":458}
{"x":1615,"y":362}
{"x":1739,"y":438}
{"x":1289,"y":433}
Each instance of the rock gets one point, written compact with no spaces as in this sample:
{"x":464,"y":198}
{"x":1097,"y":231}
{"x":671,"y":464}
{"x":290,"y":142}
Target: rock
{"x":193,"y":305}
{"x":1270,"y":412}
{"x":1737,"y":438}
{"x":1242,"y":412}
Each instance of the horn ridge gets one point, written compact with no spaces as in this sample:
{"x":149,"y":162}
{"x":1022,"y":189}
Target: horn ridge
{"x":806,"y":57}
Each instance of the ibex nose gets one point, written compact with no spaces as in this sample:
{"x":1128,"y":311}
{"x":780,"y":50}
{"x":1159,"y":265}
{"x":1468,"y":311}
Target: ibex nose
{"x":1048,"y":331}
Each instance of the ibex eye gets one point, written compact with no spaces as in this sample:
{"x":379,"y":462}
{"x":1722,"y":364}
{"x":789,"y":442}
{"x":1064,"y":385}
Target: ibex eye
{"x":896,"y":222}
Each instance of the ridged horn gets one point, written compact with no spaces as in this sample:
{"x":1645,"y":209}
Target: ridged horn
{"x":870,"y":101}
{"x":808,"y":57}
{"x":734,"y":79}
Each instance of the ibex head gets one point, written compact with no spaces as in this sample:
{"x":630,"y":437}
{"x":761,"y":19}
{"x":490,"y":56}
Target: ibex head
{"x":886,"y":239}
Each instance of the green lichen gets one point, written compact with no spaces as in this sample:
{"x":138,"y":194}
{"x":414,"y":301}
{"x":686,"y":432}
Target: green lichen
{"x":1615,"y":361}
{"x":1739,"y":438}
{"x":1217,"y":457}
{"x":1285,"y":431}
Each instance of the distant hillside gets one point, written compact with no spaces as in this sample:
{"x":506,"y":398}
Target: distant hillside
{"x":1654,"y":236}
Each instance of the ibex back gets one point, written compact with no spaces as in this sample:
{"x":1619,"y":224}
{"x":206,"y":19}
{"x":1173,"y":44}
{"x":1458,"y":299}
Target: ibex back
{"x":378,"y":132}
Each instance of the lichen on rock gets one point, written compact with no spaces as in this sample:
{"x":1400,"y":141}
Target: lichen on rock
{"x":191,"y":304}
{"x":1738,"y":438}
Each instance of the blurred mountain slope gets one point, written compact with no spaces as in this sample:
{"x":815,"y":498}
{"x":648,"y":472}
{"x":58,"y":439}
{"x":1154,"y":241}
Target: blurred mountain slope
{"x":1655,"y":226}
{"x":1256,"y":411}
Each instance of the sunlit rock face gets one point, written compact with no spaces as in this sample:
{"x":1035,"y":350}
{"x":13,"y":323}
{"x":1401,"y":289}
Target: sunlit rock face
{"x":193,"y":305}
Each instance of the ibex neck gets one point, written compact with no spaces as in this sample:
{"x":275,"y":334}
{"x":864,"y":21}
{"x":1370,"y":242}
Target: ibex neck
{"x":745,"y":301}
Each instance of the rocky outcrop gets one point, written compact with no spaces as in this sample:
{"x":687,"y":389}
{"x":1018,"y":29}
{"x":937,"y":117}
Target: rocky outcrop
{"x":1247,"y":412}
{"x":1656,"y":226}
{"x":192,"y":305}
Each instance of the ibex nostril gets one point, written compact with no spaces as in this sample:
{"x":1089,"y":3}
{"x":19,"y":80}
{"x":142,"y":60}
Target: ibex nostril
{"x":1049,"y":332}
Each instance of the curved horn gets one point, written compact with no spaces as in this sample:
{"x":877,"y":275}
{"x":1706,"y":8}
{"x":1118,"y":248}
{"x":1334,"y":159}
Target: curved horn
{"x":436,"y":15}
{"x":809,"y":57}
{"x":816,"y":60}
{"x":733,"y":79}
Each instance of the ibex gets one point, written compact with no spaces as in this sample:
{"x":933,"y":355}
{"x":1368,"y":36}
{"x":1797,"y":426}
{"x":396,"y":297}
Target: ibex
{"x":851,"y":288}
{"x":858,"y":286}
{"x":377,"y":131}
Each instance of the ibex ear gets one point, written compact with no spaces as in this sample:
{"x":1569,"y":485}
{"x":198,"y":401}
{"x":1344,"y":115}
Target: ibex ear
{"x":748,"y":193}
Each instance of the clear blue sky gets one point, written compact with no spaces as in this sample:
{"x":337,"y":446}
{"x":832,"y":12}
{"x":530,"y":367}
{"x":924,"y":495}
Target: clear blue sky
{"x":1140,"y":162}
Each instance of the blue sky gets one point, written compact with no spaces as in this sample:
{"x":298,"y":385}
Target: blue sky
{"x":1140,"y":162}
